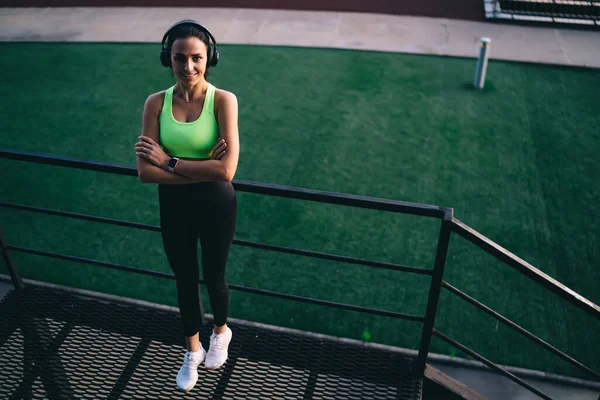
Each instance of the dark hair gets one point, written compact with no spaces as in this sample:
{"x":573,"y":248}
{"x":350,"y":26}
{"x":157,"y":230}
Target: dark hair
{"x":185,"y":31}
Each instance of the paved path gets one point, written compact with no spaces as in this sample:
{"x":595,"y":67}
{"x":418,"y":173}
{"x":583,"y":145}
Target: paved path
{"x":407,"y":34}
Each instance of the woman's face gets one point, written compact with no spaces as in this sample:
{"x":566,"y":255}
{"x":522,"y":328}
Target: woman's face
{"x":188,"y":59}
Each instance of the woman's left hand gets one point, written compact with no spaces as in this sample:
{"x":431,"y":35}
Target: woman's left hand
{"x":149,"y":150}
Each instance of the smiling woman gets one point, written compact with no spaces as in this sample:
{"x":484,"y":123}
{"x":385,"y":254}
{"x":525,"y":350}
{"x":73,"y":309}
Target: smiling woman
{"x":190,"y":146}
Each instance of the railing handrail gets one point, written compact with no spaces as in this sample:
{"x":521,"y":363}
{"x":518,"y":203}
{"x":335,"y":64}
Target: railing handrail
{"x":269,"y":293}
{"x":238,"y":242}
{"x":554,"y":11}
{"x":525,"y":268}
{"x":519,"y":329}
{"x":374,"y":203}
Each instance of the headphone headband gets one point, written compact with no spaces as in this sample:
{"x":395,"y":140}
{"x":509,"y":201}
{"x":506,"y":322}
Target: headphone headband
{"x":185,"y":22}
{"x":213,"y":53}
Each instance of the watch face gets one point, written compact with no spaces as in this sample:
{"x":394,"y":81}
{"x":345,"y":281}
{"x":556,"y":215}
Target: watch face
{"x":172,"y":162}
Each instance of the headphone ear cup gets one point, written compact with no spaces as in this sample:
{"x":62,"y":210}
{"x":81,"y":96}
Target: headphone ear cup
{"x":165,"y":58}
{"x":209,"y":56}
{"x":214,"y":57}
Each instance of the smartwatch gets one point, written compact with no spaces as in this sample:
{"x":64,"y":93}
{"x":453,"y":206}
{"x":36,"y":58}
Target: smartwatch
{"x":172,"y":164}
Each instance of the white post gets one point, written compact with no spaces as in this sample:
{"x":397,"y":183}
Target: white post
{"x":482,"y":62}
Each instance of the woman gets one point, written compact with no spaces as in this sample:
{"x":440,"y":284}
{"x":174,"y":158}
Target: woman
{"x":190,"y":146}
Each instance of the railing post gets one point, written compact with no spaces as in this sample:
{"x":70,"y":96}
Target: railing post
{"x":10,"y":264}
{"x":418,"y":365}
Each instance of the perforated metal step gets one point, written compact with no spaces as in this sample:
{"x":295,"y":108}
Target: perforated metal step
{"x":55,"y":344}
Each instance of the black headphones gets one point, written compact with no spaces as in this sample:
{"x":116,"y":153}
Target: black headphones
{"x":213,"y":53}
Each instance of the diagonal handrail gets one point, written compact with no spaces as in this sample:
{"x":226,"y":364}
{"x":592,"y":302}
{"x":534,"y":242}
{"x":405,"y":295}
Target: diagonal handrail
{"x":491,"y":364}
{"x":519,"y":329}
{"x":525,"y":268}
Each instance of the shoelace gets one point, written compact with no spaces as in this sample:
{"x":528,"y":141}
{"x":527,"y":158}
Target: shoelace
{"x":189,"y":362}
{"x":216,"y":342}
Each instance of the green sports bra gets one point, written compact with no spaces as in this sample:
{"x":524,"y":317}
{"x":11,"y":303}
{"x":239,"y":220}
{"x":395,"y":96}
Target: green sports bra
{"x":194,"y":139}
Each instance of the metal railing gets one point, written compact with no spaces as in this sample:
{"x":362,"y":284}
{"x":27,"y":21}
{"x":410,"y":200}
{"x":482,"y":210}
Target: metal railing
{"x":449,"y":225}
{"x":562,"y":11}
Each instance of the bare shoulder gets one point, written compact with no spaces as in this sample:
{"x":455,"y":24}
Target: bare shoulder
{"x":224,"y":97}
{"x":152,"y":110}
{"x":225,"y":104}
{"x":154,"y":102}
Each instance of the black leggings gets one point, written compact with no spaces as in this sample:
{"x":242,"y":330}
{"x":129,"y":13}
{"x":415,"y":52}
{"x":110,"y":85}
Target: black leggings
{"x":205,"y":211}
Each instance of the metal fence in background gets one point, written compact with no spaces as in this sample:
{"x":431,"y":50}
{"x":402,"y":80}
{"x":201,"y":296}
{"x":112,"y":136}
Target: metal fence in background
{"x":552,"y":11}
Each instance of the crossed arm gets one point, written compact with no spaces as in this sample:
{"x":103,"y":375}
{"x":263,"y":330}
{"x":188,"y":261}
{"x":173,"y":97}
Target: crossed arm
{"x":152,"y":160}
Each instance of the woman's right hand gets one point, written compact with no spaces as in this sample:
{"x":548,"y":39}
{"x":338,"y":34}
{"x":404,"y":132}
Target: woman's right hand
{"x":219,"y":150}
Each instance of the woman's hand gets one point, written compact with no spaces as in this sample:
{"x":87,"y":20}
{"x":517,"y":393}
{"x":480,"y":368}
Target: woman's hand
{"x":150,"y":151}
{"x":219,"y":150}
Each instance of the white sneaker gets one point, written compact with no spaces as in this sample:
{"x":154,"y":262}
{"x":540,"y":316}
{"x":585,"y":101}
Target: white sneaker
{"x":217,"y":352}
{"x":188,"y":374}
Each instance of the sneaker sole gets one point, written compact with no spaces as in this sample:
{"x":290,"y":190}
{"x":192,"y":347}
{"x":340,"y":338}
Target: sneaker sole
{"x":217,"y":366}
{"x":185,"y":390}
{"x":188,"y":389}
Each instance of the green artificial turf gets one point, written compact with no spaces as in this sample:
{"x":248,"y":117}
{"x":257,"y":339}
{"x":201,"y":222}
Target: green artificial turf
{"x":517,"y":161}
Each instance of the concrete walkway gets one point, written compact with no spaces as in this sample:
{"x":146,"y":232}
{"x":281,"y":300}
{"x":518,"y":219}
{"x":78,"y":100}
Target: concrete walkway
{"x":304,"y":28}
{"x":329,"y":30}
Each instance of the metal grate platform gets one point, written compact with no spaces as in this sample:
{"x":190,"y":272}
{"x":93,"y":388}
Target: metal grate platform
{"x":56,"y":344}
